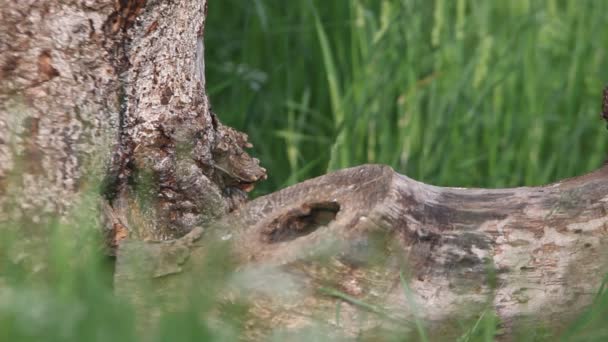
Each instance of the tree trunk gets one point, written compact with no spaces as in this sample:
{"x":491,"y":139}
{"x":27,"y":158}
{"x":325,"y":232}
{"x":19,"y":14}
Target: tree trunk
{"x":130,"y":73}
{"x":188,"y":168}
{"x":59,"y":100}
{"x":125,"y":80}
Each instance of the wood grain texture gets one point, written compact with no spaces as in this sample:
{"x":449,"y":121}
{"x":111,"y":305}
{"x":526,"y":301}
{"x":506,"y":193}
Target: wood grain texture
{"x":124,"y":80}
{"x":527,"y":253}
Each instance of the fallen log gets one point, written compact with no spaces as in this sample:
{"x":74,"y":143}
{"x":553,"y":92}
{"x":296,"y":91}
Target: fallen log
{"x":390,"y":252}
{"x":377,"y":241}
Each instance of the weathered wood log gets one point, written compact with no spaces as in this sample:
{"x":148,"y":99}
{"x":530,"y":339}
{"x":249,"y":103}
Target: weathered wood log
{"x":352,"y":236}
{"x":81,"y":77}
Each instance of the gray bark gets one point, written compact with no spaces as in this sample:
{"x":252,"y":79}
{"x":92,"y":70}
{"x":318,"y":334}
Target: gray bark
{"x":119,"y":86}
{"x":121,"y":83}
{"x":529,"y":254}
{"x":195,"y":168}
{"x":58,"y":100}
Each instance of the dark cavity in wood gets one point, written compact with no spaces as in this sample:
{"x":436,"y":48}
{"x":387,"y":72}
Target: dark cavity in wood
{"x":301,"y":221}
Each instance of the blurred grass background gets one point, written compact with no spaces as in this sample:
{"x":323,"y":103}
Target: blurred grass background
{"x":450,"y":92}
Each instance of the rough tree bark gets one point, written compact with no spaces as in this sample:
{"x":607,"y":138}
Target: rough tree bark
{"x":79,"y":74}
{"x":58,"y":99}
{"x":129,"y":74}
{"x":530,"y":254}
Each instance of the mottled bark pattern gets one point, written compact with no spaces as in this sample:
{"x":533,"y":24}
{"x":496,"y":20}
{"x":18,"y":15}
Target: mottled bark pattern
{"x":58,"y":100}
{"x":119,"y":83}
{"x":194,"y":168}
{"x":527,"y":253}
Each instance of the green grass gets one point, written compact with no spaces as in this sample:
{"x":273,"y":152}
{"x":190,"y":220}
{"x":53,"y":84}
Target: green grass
{"x":459,"y":93}
{"x":452,"y":92}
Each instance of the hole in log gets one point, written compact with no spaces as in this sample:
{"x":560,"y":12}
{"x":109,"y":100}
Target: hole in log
{"x":301,"y":221}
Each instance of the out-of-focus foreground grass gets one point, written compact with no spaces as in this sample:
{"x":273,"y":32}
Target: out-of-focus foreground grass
{"x":459,"y":93}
